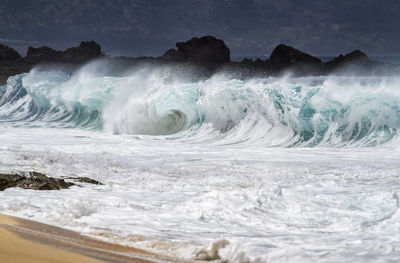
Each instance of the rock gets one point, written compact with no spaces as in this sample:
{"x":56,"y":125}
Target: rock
{"x":201,"y":57}
{"x":7,"y":53}
{"x":42,"y":54}
{"x":85,"y":180}
{"x":33,"y":180}
{"x":39,"y":181}
{"x":84,"y":52}
{"x":355,"y":57}
{"x":285,"y":56}
{"x":12,"y":64}
{"x":174,"y":55}
{"x":247,"y":61}
{"x":80,"y":54}
{"x":207,"y":49}
{"x":8,"y":180}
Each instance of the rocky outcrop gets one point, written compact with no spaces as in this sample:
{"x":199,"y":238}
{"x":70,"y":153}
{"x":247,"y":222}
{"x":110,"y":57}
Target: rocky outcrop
{"x":80,"y":54}
{"x":42,"y":54}
{"x":174,"y":55}
{"x":33,"y":180}
{"x":11,"y":63}
{"x":355,"y":58}
{"x":207,"y":49}
{"x":8,"y":54}
{"x":286,"y":56}
{"x":206,"y":55}
{"x":289,"y":59}
{"x":39,"y":181}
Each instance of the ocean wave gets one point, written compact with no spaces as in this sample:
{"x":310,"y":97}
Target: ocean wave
{"x":284,"y":111}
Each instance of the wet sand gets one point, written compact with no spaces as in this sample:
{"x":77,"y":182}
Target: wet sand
{"x":29,"y":241}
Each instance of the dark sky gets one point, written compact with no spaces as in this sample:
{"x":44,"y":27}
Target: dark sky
{"x":249,"y":27}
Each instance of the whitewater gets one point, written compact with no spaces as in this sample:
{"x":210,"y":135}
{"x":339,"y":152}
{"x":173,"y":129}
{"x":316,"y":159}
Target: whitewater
{"x":277,"y":169}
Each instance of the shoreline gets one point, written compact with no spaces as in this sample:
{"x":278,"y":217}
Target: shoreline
{"x":23,"y":240}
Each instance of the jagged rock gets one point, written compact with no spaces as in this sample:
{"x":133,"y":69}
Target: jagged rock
{"x":7,"y":53}
{"x":207,"y":49}
{"x":174,"y":55}
{"x":11,"y":62}
{"x":206,"y":55}
{"x":355,"y":57}
{"x":42,"y":54}
{"x":80,"y":54}
{"x":33,"y":180}
{"x":247,"y":61}
{"x":85,"y":51}
{"x":285,"y":56}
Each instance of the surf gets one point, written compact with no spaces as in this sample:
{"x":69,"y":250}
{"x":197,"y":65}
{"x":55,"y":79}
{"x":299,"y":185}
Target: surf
{"x":275,"y":111}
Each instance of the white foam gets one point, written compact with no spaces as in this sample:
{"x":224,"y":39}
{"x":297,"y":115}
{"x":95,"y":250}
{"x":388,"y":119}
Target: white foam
{"x":271,"y":204}
{"x":286,"y":111}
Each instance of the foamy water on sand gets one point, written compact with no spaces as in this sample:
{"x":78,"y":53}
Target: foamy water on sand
{"x":284,"y":169}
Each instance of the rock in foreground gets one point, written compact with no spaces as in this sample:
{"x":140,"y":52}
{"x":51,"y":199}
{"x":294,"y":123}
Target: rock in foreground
{"x":39,"y":181}
{"x":33,"y":180}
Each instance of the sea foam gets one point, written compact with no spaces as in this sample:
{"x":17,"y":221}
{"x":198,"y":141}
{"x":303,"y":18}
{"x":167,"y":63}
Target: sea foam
{"x":252,"y":170}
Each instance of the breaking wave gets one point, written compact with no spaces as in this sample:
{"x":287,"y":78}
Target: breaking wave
{"x":284,"y":111}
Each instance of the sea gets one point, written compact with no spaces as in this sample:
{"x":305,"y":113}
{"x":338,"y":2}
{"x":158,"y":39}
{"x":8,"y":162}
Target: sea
{"x":275,"y":169}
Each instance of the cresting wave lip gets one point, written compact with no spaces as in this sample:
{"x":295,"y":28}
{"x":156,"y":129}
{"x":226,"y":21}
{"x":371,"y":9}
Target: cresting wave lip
{"x":307,"y":111}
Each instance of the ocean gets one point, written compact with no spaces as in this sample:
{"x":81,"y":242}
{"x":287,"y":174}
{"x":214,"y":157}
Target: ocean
{"x":279,"y":169}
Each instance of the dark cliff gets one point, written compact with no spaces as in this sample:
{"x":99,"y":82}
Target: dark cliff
{"x":206,"y":55}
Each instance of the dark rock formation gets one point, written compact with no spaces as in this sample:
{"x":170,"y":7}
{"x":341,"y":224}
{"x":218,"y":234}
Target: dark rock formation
{"x":42,"y":54}
{"x":11,"y":63}
{"x":174,"y":55}
{"x":33,"y":180}
{"x":285,"y":56}
{"x":199,"y":57}
{"x":354,"y":58}
{"x":207,"y":49}
{"x":39,"y":181}
{"x":80,"y":54}
{"x":247,"y":61}
{"x":7,"y":53}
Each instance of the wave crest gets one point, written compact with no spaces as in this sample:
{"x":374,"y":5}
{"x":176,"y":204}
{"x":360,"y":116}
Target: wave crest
{"x":283,"y":111}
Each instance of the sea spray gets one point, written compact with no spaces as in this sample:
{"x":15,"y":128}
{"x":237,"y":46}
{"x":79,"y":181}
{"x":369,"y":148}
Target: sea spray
{"x":284,"y":111}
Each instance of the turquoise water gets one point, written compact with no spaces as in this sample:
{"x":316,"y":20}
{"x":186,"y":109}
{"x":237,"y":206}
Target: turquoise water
{"x":305,"y":111}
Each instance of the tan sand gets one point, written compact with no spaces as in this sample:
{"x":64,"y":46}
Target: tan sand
{"x":28,"y":241}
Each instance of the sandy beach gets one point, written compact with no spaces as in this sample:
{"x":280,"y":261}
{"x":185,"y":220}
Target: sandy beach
{"x":28,"y":241}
